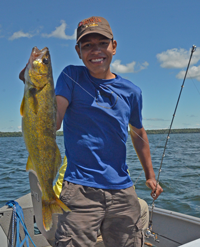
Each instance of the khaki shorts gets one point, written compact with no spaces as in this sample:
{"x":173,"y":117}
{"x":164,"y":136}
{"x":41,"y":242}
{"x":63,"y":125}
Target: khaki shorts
{"x":115,"y":212}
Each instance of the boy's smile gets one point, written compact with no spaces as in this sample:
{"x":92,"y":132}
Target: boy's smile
{"x":97,"y":51}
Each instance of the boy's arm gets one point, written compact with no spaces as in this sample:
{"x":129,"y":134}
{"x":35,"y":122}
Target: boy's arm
{"x":62,"y":104}
{"x":141,"y":145}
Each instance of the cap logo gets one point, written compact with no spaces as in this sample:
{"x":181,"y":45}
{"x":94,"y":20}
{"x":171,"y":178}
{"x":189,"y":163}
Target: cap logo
{"x":91,"y":20}
{"x":92,"y":25}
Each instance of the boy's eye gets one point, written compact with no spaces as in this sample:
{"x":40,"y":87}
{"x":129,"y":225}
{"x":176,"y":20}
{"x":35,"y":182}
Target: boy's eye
{"x":104,"y":43}
{"x":86,"y":46}
{"x":101,"y":44}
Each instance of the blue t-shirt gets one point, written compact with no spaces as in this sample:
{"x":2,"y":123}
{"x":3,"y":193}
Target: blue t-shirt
{"x":95,"y":127}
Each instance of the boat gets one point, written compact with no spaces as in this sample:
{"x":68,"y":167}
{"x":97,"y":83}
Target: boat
{"x":170,"y":229}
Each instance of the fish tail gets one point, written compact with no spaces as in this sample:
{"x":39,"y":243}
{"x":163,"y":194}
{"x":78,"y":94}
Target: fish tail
{"x":49,"y":208}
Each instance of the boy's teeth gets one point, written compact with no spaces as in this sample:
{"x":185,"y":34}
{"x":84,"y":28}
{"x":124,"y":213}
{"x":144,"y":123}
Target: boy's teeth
{"x":97,"y":60}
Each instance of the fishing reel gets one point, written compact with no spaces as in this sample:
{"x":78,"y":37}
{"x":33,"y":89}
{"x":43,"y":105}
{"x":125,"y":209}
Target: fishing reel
{"x":150,"y":234}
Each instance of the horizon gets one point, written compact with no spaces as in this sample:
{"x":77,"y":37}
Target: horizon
{"x":20,"y":131}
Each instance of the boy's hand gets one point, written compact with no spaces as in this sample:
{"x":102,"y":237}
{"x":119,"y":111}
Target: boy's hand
{"x":151,"y":184}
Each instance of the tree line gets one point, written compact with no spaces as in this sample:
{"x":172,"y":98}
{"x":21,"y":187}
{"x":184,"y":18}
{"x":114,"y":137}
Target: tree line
{"x":19,"y":134}
{"x":160,"y":131}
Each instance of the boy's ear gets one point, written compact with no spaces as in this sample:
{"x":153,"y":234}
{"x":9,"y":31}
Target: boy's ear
{"x":114,"y":46}
{"x":78,"y":51}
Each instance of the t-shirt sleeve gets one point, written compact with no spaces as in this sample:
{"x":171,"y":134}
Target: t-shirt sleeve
{"x":64,"y":86}
{"x":136,"y":112}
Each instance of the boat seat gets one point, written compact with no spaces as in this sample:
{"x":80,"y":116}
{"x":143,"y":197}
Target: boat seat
{"x":36,"y":195}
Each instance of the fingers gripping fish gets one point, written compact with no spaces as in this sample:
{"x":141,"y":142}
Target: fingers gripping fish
{"x":38,"y":110}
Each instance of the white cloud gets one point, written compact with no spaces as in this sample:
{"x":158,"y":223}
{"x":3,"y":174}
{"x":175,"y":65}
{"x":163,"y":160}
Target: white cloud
{"x":144,"y":65}
{"x":193,"y":73}
{"x":177,"y":58}
{"x":60,"y":32}
{"x":120,"y":68}
{"x":117,"y":67}
{"x":20,"y":34}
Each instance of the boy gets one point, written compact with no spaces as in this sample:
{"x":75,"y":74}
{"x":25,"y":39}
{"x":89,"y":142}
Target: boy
{"x":97,"y":106}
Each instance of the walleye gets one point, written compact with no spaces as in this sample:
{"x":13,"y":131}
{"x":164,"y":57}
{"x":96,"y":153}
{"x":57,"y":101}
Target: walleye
{"x":38,"y":110}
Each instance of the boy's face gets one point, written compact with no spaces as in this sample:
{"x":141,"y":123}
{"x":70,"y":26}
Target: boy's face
{"x":97,"y":51}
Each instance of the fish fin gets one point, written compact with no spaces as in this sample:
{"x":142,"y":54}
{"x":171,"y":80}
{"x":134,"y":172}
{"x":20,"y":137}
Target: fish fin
{"x":22,"y":107}
{"x":62,"y":205}
{"x":35,"y":105}
{"x":35,"y":108}
{"x":34,"y":101}
{"x":49,"y":208}
{"x":29,"y":164}
{"x":58,"y":185}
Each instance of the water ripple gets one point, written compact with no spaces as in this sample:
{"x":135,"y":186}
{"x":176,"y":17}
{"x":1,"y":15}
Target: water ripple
{"x":180,"y":175}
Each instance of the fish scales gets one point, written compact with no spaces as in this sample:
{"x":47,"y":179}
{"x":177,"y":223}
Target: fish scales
{"x":38,"y":110}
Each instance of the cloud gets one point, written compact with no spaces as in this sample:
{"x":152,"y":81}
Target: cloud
{"x":60,"y":32}
{"x":193,"y":73}
{"x":177,"y":58}
{"x":117,"y":67}
{"x":20,"y":34}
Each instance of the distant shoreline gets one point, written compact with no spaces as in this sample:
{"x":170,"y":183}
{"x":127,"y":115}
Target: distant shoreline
{"x":158,"y":131}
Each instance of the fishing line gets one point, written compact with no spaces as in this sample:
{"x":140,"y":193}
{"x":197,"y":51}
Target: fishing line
{"x":91,"y":94}
{"x":96,"y":101}
{"x":193,"y":82}
{"x":168,"y":239}
{"x":80,"y":86}
{"x":152,"y":153}
{"x":196,"y":87}
{"x":192,"y":51}
{"x":169,"y":131}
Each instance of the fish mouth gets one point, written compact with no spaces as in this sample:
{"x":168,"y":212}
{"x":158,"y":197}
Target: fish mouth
{"x":39,"y":66}
{"x":36,"y":53}
{"x":37,"y":56}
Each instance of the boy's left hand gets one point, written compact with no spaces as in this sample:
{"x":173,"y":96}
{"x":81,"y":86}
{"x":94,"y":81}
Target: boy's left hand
{"x":151,"y":184}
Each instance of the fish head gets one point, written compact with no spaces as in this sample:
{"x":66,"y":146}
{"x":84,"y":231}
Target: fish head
{"x":39,"y":69}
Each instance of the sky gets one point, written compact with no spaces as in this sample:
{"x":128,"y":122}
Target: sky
{"x":154,"y":44}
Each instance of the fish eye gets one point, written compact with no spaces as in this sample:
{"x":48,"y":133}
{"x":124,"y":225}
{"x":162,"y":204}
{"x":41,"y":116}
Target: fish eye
{"x":45,"y":61}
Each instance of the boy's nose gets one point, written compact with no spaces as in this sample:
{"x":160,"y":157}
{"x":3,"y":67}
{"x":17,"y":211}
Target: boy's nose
{"x":96,"y":48}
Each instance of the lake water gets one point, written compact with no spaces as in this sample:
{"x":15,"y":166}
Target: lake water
{"x":180,"y":175}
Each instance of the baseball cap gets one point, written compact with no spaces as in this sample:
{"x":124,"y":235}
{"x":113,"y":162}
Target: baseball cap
{"x":94,"y":24}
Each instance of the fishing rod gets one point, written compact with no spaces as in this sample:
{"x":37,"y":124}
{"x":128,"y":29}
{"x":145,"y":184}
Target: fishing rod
{"x":149,"y":230}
